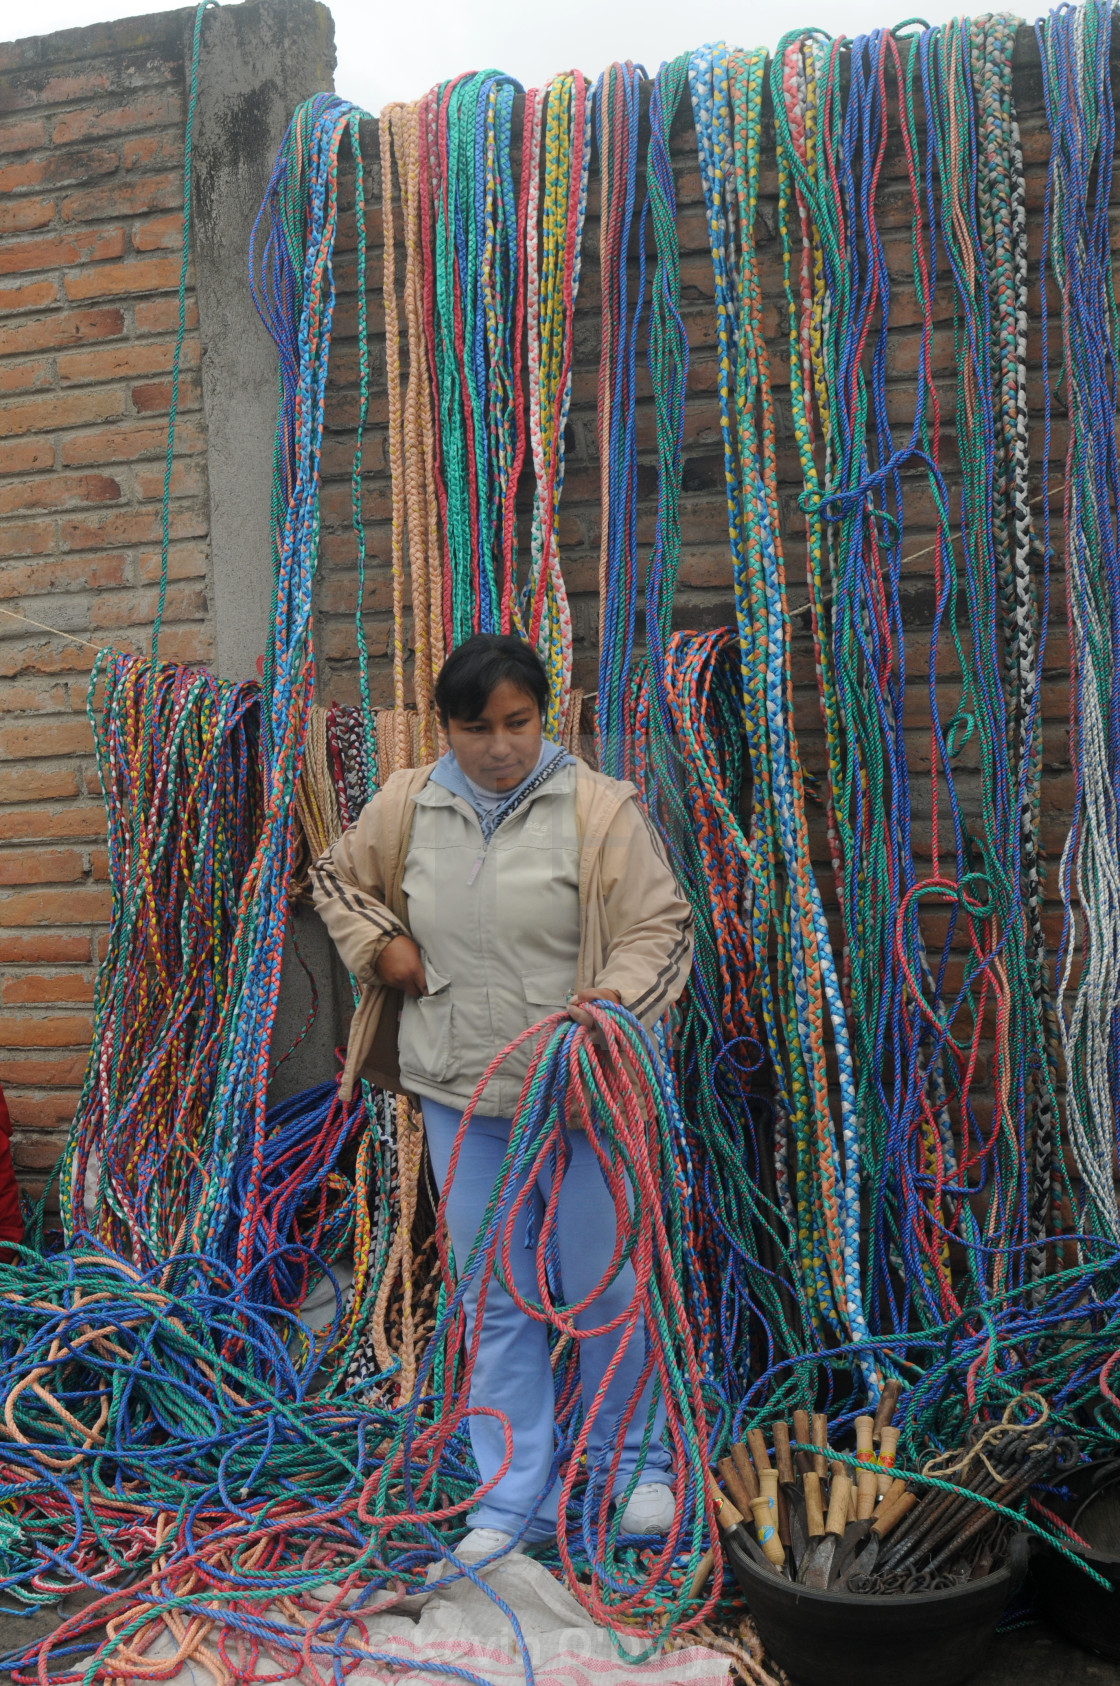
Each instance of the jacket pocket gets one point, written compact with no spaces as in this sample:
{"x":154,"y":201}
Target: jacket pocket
{"x":426,"y":1041}
{"x":363,"y":1028}
{"x":548,"y":990}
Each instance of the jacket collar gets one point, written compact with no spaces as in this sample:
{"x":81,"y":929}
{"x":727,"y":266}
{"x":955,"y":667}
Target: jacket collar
{"x":433,"y":795}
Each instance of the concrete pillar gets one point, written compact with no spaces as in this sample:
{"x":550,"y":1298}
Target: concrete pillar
{"x":256,"y":62}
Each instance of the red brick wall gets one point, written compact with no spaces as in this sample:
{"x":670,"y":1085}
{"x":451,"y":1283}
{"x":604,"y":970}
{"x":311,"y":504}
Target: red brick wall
{"x":91,"y":134}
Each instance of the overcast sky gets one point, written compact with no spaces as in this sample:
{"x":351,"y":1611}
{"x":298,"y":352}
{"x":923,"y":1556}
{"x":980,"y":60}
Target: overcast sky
{"x":397,"y":49}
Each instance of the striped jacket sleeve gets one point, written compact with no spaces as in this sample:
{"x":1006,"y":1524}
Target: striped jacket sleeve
{"x":649,"y":923}
{"x":348,"y":887}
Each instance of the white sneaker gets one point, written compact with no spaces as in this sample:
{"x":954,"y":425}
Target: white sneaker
{"x":651,"y":1509}
{"x":479,"y":1543}
{"x":483,"y":1542}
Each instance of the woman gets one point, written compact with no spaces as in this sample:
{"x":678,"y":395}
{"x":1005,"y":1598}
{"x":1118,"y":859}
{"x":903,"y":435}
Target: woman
{"x":504,"y":882}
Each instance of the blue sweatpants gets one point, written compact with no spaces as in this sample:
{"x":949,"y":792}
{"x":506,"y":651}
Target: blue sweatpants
{"x":512,"y":1372}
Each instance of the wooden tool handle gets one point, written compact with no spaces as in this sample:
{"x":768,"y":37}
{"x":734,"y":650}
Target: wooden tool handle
{"x":865,"y":1438}
{"x":820,"y":1438}
{"x":783,"y":1457}
{"x":767,"y":1533}
{"x":726,"y":1514}
{"x":768,"y":1485}
{"x":803,"y":1432}
{"x":888,"y":1399}
{"x":742,"y":1461}
{"x":867,"y":1492}
{"x":735,"y":1485}
{"x":814,"y":1511}
{"x":703,"y":1572}
{"x":888,"y":1444}
{"x":838,"y":1502}
{"x":756,"y":1440}
{"x":894,"y":1491}
{"x":891,"y":1512}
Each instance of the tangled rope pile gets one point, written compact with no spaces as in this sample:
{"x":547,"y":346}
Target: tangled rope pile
{"x":168,"y":1428}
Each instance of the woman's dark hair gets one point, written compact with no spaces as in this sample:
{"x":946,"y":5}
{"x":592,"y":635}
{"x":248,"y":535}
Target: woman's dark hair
{"x":478,"y":666}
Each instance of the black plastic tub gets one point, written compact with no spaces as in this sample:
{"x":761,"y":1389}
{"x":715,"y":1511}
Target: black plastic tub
{"x":1085,"y":1612}
{"x":852,"y":1639}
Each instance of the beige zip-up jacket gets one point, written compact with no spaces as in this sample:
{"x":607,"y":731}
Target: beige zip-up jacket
{"x":635,"y":934}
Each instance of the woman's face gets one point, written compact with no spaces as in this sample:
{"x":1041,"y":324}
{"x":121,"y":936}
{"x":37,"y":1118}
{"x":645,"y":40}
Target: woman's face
{"x":503,"y":745}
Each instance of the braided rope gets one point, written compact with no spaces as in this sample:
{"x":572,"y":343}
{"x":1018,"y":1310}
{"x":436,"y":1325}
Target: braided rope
{"x":617,"y":101}
{"x":1077,"y":87}
{"x":561,"y":123}
{"x":721,"y":83}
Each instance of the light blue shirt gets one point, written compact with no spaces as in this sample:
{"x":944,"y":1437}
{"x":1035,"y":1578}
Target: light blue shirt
{"x":492,"y":806}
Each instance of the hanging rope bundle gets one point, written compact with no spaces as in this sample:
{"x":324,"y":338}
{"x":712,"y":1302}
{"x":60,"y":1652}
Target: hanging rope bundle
{"x":617,"y":103}
{"x":354,"y":779}
{"x":411,"y":437}
{"x":995,"y":852}
{"x":561,"y":125}
{"x":920,"y":1024}
{"x":741,"y":1258}
{"x":865,"y":801}
{"x":1075,"y":46}
{"x":474,"y":334}
{"x":491,"y":276}
{"x":168,"y":739}
{"x":308,"y":162}
{"x":684,"y":719}
{"x":179,"y":748}
{"x":726,"y":98}
{"x":303,"y":194}
{"x":1001,"y":204}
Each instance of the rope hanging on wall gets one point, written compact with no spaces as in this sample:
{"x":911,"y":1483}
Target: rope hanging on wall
{"x":1079,"y":107}
{"x":617,"y":106}
{"x":913,"y":1076}
{"x":726,"y":98}
{"x":180,"y":749}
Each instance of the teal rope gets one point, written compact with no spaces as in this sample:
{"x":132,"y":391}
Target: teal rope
{"x":363,"y":412}
{"x":180,"y":333}
{"x":851,"y":1461}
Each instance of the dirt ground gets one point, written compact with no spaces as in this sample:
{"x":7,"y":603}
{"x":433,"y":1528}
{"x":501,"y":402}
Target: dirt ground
{"x":1031,"y":1656}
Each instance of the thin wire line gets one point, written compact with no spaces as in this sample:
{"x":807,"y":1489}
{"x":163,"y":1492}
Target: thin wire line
{"x":14,"y":615}
{"x":954,"y":538}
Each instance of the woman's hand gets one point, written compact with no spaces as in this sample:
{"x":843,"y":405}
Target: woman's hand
{"x":576,"y":1012}
{"x":399,"y":966}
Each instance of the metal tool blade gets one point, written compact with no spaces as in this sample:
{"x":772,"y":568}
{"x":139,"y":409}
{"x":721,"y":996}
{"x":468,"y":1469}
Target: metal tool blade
{"x":816,"y":1570}
{"x":798,"y":1531}
{"x":854,"y":1536}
